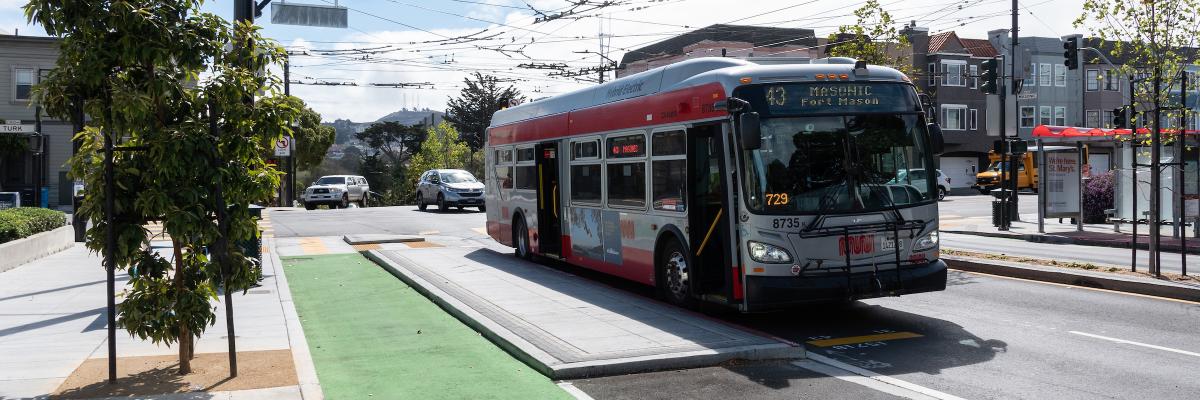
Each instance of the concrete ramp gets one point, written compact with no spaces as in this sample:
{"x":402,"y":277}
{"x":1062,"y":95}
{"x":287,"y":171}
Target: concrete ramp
{"x":570,"y":327}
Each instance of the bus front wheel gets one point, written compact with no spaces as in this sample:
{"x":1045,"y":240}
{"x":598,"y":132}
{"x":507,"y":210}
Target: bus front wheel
{"x":675,"y":284}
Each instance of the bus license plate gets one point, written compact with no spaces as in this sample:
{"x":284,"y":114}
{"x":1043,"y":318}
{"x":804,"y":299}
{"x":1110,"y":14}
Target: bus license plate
{"x":888,"y":243}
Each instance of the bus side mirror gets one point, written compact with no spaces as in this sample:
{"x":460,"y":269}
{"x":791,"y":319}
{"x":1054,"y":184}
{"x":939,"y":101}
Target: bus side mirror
{"x":751,"y":135}
{"x":937,"y":143}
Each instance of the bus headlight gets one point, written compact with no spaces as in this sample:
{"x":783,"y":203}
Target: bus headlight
{"x":926,"y":242}
{"x":765,"y":253}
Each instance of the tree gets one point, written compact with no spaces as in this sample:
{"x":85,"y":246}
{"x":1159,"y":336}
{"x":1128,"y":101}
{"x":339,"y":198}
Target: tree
{"x":136,"y":70}
{"x":873,"y":38}
{"x":398,"y":142}
{"x":1156,"y":39}
{"x":442,"y":149}
{"x":471,"y":112}
{"x":312,"y":139}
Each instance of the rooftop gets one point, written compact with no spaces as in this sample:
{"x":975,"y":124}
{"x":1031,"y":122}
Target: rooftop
{"x":755,"y":35}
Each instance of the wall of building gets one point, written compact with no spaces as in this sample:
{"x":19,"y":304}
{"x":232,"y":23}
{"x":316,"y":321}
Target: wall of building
{"x":40,"y":54}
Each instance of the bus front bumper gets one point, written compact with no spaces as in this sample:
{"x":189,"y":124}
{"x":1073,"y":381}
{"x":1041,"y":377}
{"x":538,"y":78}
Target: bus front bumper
{"x":771,"y":292}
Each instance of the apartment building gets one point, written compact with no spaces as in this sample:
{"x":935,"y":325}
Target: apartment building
{"x":748,"y":42}
{"x":23,"y":61}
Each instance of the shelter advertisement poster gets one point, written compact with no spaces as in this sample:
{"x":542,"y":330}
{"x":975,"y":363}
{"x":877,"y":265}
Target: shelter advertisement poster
{"x":1062,"y":182}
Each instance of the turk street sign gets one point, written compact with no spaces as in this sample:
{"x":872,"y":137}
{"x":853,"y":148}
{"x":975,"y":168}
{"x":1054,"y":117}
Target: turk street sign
{"x":15,"y":126}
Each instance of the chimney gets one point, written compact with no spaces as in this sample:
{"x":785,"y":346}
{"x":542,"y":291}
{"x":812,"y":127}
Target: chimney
{"x":918,"y":38}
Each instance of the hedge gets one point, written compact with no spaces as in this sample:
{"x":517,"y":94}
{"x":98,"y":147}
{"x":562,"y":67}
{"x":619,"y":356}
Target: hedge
{"x":17,"y":223}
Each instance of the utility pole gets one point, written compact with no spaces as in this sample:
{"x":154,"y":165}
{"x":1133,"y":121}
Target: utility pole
{"x":1012,"y":83}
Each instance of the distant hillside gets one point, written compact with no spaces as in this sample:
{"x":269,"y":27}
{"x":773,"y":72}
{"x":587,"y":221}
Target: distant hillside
{"x":346,"y":128}
{"x":412,"y":117}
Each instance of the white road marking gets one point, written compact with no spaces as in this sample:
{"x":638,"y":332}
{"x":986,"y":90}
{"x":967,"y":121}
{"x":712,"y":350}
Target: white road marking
{"x":886,"y":384}
{"x":574,"y":391}
{"x":1184,"y":352}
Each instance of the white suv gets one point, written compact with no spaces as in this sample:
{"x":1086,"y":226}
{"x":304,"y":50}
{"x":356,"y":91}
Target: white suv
{"x":337,"y":191}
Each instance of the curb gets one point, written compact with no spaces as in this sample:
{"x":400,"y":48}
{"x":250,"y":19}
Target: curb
{"x":1063,"y":276}
{"x":306,"y":371}
{"x":1056,"y":239}
{"x":22,"y":251}
{"x":549,"y":366}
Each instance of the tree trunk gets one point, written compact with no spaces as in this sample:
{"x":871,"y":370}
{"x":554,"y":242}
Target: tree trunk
{"x":185,"y":336}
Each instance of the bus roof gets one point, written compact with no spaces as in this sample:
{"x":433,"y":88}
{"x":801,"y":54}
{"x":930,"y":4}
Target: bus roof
{"x":691,"y":73}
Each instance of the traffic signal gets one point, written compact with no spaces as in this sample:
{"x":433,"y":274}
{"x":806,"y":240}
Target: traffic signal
{"x":1118,"y":120}
{"x":989,"y":76}
{"x":1072,"y":53}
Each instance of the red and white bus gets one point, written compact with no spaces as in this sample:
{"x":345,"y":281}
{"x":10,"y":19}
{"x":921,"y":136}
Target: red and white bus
{"x":724,"y":181}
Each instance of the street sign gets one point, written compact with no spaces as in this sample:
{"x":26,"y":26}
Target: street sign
{"x":283,"y":147}
{"x":1026,"y":96}
{"x":327,"y":16}
{"x":16,"y":128}
{"x":12,"y":122}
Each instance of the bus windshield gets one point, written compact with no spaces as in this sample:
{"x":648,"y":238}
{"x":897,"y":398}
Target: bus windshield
{"x":839,"y":164}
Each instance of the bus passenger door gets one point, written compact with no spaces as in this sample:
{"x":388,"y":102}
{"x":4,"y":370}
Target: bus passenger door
{"x":549,"y":220}
{"x":708,"y":214}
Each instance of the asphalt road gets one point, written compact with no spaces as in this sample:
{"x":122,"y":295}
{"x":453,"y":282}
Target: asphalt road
{"x":984,"y":337}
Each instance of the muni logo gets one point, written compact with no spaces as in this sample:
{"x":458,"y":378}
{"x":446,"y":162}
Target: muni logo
{"x":858,"y":244}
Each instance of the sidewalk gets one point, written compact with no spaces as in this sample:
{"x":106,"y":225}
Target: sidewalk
{"x":53,"y":322}
{"x":1066,"y":233}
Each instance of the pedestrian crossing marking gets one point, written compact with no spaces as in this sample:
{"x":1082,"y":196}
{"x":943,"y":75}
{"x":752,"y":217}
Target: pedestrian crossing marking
{"x":428,"y":232}
{"x":366,"y":247}
{"x":863,"y":339}
{"x":422,"y":245}
{"x":313,"y":245}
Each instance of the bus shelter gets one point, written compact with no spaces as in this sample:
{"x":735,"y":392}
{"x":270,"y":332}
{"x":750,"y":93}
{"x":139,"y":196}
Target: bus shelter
{"x":1179,"y":157}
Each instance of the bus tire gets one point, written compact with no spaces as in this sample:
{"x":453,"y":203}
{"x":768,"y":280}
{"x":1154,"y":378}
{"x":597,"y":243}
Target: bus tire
{"x":521,"y":239}
{"x":673,"y":266}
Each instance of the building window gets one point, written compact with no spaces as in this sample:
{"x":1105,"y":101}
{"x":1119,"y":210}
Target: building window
{"x":1093,"y":119}
{"x":933,"y":75}
{"x":1027,"y":117}
{"x":1060,"y":116}
{"x":1044,"y":75}
{"x":1108,"y":119}
{"x":1033,"y":73}
{"x":973,"y":119}
{"x":23,"y":82}
{"x":953,"y":74}
{"x":954,"y":117}
{"x":1060,"y":75}
{"x":1044,"y":116}
{"x":974,"y":76}
{"x":1111,"y":82}
{"x":1093,"y":80}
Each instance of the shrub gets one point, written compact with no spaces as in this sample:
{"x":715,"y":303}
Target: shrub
{"x":17,"y":223}
{"x":1097,"y":197}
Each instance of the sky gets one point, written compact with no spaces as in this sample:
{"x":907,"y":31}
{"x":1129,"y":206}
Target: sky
{"x":423,"y":41}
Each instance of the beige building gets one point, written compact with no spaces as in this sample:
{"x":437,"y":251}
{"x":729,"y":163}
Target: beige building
{"x":748,"y":42}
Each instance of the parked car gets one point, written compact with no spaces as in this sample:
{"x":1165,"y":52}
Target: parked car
{"x":337,"y":191}
{"x":449,"y":188}
{"x":918,"y":176}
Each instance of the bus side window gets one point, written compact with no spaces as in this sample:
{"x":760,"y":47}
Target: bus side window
{"x":668,"y":171}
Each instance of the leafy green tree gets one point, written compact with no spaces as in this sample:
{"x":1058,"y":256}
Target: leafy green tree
{"x":442,"y":149}
{"x":312,"y":139}
{"x":136,"y":68}
{"x":396,"y":141}
{"x":873,"y":38}
{"x":471,"y":112}
{"x":1156,"y":39}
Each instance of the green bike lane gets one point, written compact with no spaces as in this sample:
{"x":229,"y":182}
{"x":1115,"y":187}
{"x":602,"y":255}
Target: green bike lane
{"x":371,"y":335}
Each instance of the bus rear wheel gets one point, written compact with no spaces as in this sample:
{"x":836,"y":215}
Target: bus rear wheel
{"x":521,"y":239}
{"x":675,"y":285}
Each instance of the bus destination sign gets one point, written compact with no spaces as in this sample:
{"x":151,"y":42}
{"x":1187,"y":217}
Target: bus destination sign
{"x":838,"y":97}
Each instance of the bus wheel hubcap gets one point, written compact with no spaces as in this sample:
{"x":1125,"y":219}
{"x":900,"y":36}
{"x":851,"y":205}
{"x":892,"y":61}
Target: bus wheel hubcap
{"x":677,"y":275}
